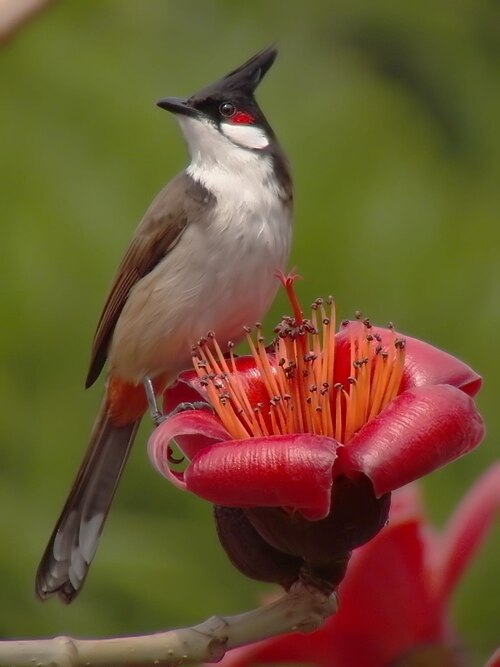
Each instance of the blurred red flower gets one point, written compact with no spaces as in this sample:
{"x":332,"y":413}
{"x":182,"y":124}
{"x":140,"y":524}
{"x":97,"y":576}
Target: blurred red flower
{"x":308,"y":439}
{"x":395,"y":598}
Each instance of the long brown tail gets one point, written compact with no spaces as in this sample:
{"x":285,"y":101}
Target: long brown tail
{"x":74,"y":541}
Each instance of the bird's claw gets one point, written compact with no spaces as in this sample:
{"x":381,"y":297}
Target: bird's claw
{"x":187,"y":405}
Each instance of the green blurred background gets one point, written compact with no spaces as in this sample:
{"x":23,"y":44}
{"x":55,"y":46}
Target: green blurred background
{"x":390,"y":114}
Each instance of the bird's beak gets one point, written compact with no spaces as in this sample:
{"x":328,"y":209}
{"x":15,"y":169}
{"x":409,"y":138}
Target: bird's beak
{"x":178,"y":106}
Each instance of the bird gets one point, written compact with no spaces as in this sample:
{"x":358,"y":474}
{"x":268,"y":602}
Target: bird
{"x":203,"y":258}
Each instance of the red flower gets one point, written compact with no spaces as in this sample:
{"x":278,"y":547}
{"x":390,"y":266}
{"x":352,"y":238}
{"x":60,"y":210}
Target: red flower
{"x":394,"y":600}
{"x":309,"y":439}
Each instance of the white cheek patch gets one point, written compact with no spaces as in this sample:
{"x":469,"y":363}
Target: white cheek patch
{"x":247,"y":136}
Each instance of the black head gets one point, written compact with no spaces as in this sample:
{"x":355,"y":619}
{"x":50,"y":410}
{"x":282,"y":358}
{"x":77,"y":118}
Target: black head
{"x":231,"y":99}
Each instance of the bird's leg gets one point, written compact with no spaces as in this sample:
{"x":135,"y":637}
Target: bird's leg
{"x":155,"y":413}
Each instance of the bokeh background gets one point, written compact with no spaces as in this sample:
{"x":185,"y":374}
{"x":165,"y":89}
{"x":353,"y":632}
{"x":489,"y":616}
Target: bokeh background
{"x":389,"y":112}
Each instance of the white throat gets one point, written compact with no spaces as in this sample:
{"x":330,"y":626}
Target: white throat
{"x":224,"y":162}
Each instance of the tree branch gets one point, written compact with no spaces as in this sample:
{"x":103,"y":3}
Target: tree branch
{"x":302,"y":609}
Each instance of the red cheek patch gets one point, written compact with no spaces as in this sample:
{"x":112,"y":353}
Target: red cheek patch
{"x":242,"y":117}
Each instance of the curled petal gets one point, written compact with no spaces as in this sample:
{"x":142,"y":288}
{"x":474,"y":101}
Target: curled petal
{"x":426,"y":364}
{"x":421,"y":430}
{"x":291,"y":471}
{"x":199,"y":423}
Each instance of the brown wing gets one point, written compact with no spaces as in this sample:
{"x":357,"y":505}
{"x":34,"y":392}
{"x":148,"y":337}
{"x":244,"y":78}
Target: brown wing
{"x":158,"y":232}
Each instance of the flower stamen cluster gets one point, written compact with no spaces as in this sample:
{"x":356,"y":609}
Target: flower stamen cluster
{"x":303,"y":395}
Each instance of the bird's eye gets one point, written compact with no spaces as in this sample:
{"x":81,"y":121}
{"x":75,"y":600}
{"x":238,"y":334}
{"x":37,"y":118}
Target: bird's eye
{"x":227,"y":109}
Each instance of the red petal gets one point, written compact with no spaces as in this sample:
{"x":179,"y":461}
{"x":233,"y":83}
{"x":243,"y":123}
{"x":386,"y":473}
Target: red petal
{"x":278,"y":471}
{"x":312,"y":648}
{"x":406,"y":504}
{"x":386,"y":607}
{"x":466,"y":531}
{"x":424,"y":363}
{"x":201,"y":423}
{"x":422,"y":429}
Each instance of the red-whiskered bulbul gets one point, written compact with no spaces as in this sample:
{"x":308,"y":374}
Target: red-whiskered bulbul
{"x":202,"y":259}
